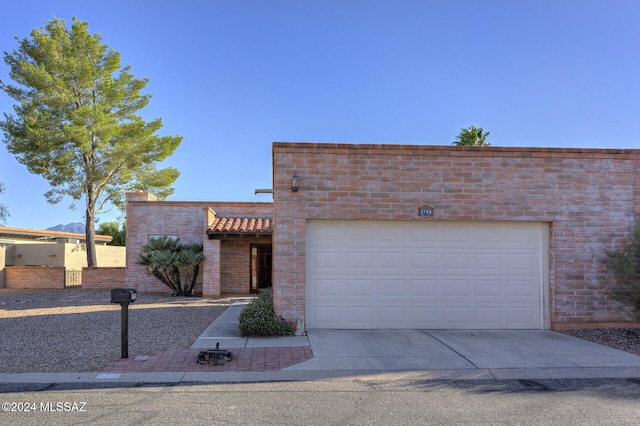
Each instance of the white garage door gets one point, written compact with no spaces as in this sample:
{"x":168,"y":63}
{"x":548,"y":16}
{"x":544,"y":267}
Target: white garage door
{"x":431,"y":275}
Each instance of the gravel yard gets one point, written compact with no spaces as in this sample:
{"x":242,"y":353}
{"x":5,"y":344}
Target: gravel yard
{"x":75,"y":330}
{"x":626,"y":339}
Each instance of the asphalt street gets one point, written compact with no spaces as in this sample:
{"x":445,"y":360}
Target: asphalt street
{"x":327,"y":402}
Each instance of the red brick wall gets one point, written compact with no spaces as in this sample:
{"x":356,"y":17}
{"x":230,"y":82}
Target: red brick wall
{"x":234,"y":261}
{"x":34,"y":277}
{"x":103,"y":278}
{"x":211,"y":282}
{"x":148,"y":219}
{"x":588,"y":196}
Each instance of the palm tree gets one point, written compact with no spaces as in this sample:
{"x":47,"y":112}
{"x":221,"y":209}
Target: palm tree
{"x":472,"y":136}
{"x":160,"y":254}
{"x":166,"y":256}
{"x":189,"y":258}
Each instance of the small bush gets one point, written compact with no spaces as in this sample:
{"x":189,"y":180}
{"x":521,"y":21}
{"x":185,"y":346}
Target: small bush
{"x":625,"y":264}
{"x":258,"y":318}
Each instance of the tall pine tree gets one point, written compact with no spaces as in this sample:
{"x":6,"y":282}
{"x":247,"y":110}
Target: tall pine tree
{"x":76,"y":121}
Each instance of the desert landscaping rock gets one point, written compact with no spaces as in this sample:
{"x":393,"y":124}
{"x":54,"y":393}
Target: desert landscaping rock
{"x":626,"y":339}
{"x":75,"y":330}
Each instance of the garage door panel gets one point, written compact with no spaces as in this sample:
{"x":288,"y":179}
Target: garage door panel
{"x":394,"y":239}
{"x":520,"y":315}
{"x":458,"y":260}
{"x":425,"y":287}
{"x":427,"y":316}
{"x":492,"y":261}
{"x":422,"y":235}
{"x":521,"y":288}
{"x":363,"y":287}
{"x":453,"y":234}
{"x":393,"y":262}
{"x":360,"y":315}
{"x":489,"y":315}
{"x":323,"y":287}
{"x":521,"y":236}
{"x":457,"y":288}
{"x":392,"y":315}
{"x":521,"y":261}
{"x":489,"y":236}
{"x":329,"y":315}
{"x":425,"y":260}
{"x":328,"y":260}
{"x":324,"y":237}
{"x":489,"y":288}
{"x":454,"y":316}
{"x":360,"y":234}
{"x":363,"y":274}
{"x":359,"y":261}
{"x":393,"y":287}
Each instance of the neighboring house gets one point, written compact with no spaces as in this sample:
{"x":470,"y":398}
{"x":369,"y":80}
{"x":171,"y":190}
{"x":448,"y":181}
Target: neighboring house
{"x":33,"y":247}
{"x":408,"y":237}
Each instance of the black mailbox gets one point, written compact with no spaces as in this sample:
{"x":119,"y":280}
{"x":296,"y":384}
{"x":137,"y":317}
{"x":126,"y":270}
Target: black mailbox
{"x":123,"y":295}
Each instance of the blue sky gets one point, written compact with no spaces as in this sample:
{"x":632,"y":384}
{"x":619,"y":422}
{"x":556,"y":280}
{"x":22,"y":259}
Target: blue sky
{"x":232,"y":77}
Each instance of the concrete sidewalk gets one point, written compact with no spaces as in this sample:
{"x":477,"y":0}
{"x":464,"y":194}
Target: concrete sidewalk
{"x":224,"y":330}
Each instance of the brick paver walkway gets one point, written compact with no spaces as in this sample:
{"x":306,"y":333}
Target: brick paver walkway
{"x":243,"y":359}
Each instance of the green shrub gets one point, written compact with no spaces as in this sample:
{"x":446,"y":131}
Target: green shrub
{"x":625,"y":264}
{"x":258,"y":318}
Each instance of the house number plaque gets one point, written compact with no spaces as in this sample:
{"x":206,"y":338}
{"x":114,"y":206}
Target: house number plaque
{"x":425,"y":211}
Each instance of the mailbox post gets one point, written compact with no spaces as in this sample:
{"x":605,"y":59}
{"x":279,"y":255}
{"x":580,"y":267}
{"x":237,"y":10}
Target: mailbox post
{"x":124,"y":296}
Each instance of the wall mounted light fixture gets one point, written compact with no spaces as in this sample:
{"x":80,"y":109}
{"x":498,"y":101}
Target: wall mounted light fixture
{"x":295,"y":183}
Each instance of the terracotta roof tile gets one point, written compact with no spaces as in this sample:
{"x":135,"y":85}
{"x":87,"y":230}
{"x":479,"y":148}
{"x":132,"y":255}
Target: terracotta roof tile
{"x":241,"y":225}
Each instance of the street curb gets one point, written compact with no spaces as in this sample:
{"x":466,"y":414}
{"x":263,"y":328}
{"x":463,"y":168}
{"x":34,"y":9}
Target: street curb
{"x":280,"y":376}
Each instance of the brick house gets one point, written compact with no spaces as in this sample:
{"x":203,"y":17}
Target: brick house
{"x":401,"y":237}
{"x":236,"y":237}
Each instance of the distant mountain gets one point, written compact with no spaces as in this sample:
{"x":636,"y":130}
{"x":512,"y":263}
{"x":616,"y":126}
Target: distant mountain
{"x":75,"y":227}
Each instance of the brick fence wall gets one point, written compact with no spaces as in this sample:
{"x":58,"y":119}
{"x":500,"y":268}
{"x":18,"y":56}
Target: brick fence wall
{"x":103,"y":278}
{"x":588,"y":196}
{"x":34,"y":277}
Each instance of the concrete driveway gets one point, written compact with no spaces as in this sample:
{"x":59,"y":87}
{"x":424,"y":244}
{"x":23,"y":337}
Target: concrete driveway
{"x":443,"y":354}
{"x":398,"y":350}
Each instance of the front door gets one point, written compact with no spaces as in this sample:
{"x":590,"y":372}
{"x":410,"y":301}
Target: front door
{"x":260,"y":267}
